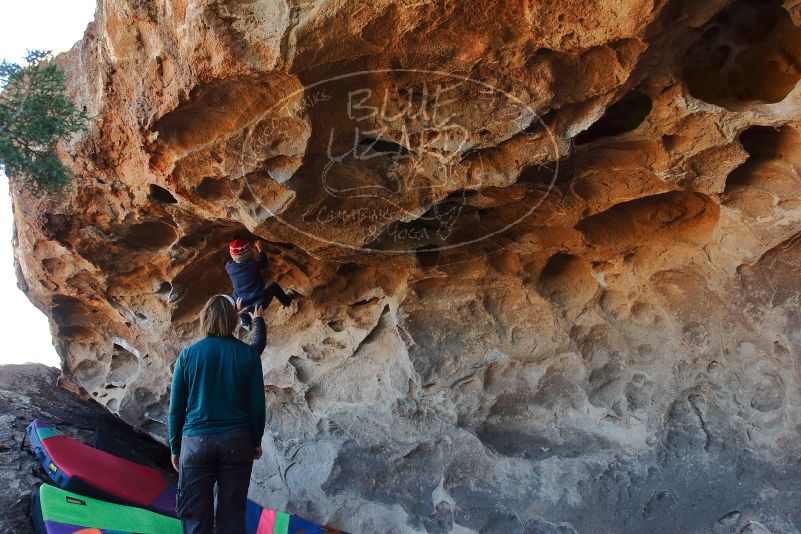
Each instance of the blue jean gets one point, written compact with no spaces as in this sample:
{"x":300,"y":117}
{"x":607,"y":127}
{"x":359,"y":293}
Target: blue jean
{"x":273,"y":290}
{"x":224,"y":459}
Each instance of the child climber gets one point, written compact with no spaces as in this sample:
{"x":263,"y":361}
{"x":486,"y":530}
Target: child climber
{"x":245,"y":273}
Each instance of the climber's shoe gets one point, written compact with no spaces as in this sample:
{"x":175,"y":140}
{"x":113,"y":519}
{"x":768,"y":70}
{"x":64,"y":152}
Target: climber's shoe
{"x":294,"y":293}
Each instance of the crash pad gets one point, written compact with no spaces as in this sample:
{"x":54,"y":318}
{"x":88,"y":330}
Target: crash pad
{"x":56,"y":511}
{"x":77,"y":467}
{"x":81,"y":469}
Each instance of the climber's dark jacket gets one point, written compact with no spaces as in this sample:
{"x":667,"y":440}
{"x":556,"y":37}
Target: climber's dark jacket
{"x":247,"y":279}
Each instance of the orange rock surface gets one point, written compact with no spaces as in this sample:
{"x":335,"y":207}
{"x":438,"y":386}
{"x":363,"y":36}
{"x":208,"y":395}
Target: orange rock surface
{"x":549,"y":250}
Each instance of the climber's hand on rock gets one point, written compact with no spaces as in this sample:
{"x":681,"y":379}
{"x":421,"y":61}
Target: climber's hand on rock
{"x":259,"y":244}
{"x":175,"y":463}
{"x":257,"y":452}
{"x":257,"y":312}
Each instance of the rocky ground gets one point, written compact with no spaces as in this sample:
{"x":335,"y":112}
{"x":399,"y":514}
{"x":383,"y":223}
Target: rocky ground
{"x":550,"y":250}
{"x":28,"y":392}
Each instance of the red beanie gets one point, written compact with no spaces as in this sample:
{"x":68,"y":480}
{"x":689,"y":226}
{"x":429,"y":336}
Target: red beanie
{"x":239,"y":247}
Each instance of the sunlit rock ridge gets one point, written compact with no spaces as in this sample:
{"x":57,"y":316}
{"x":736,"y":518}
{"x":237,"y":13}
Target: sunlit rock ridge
{"x":550,"y":250}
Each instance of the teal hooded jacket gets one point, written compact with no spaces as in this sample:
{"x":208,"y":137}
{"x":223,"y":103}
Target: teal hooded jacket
{"x":217,"y":385}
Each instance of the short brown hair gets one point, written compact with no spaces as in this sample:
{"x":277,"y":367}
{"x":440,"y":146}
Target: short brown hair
{"x":218,"y":317}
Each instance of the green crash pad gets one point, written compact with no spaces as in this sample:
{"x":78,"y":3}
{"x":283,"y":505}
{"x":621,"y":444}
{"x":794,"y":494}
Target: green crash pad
{"x":61,"y":506}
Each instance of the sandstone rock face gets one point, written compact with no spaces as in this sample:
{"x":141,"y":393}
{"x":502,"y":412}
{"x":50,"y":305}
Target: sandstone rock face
{"x":549,"y":250}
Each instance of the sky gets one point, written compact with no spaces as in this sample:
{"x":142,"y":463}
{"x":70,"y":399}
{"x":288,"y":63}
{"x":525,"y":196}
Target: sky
{"x":46,"y":25}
